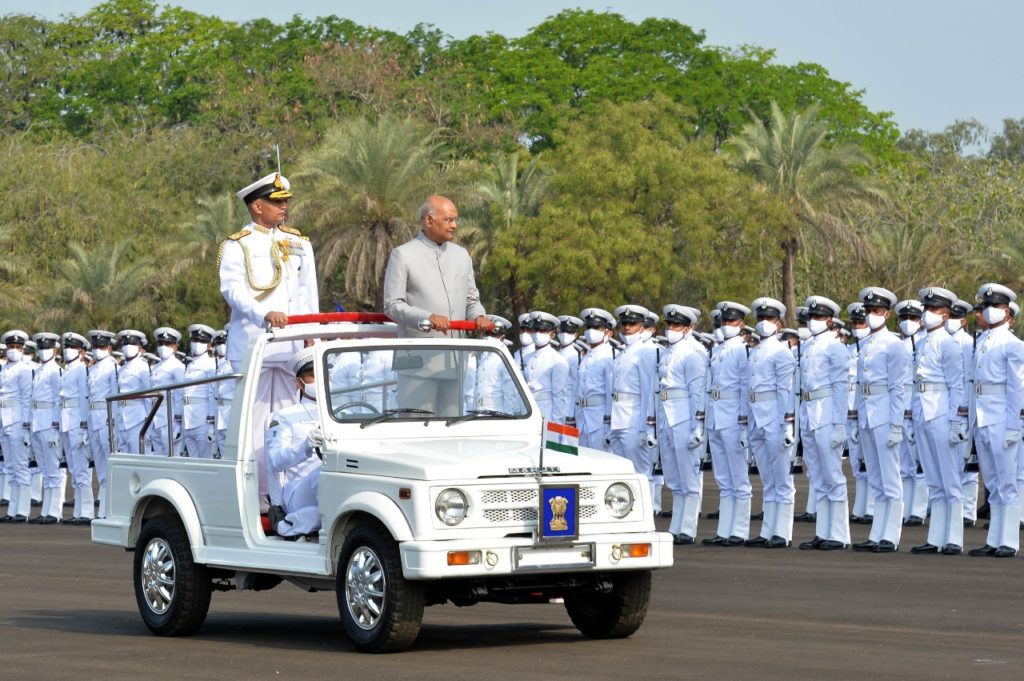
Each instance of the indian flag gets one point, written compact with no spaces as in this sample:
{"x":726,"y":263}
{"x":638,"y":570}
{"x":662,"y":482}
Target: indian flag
{"x":563,"y":438}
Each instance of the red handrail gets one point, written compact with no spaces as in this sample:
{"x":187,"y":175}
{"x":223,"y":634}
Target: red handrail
{"x":328,"y":317}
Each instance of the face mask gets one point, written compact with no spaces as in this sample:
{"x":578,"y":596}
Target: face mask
{"x":540,"y":339}
{"x":198,"y":348}
{"x":861,"y":332}
{"x":221,"y":350}
{"x":130,"y":351}
{"x":953,"y":325}
{"x":13,"y":355}
{"x":730,"y":331}
{"x":674,"y":336}
{"x":994,"y":315}
{"x":100,"y":353}
{"x":931,"y":320}
{"x":909,"y":326}
{"x":646,"y":334}
{"x":803,"y":333}
{"x":594,"y":336}
{"x":46,"y":354}
{"x":630,"y":339}
{"x":70,"y":355}
{"x":766,"y":328}
{"x":816,"y":326}
{"x":526,"y":338}
{"x":309,"y":391}
{"x":876,"y":321}
{"x":566,"y":338}
{"x":719,"y":336}
{"x":164,"y":351}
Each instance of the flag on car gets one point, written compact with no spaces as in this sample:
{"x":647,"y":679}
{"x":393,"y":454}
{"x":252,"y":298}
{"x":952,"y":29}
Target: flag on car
{"x":563,"y":438}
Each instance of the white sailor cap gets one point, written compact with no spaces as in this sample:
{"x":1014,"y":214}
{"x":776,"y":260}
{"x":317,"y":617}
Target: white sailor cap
{"x":706,"y":338}
{"x":822,"y":306}
{"x":73,"y":340}
{"x":15,"y":336}
{"x":680,"y":314}
{"x":117,"y":354}
{"x":501,"y":325}
{"x":716,"y":314}
{"x":131,"y":337}
{"x":651,"y":319}
{"x":995,"y":294}
{"x":731,"y":311}
{"x":631,"y":314}
{"x":787,"y":333}
{"x":844,"y":333}
{"x":182,"y":357}
{"x":46,"y":339}
{"x":220,"y":338}
{"x":543,"y":321}
{"x":936,"y":296}
{"x":151,"y":358}
{"x":1014,"y":308}
{"x":569,"y":324}
{"x":660,"y":340}
{"x":908,"y":308}
{"x":597,"y":318}
{"x":274,"y":186}
{"x":302,"y":360}
{"x":201,"y":333}
{"x":801,"y":314}
{"x":856,"y":312}
{"x":523,"y":320}
{"x":960,"y":309}
{"x":768,"y":307}
{"x":838,"y":324}
{"x":581,"y":345}
{"x":876,"y":296}
{"x":748,"y":329}
{"x":102,"y":338}
{"x":166,"y":334}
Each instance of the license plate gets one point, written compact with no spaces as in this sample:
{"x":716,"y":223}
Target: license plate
{"x":558,"y":513}
{"x":554,"y":557}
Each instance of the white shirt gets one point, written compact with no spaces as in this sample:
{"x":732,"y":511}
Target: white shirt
{"x":74,"y":390}
{"x":548,"y":380}
{"x":46,"y":391}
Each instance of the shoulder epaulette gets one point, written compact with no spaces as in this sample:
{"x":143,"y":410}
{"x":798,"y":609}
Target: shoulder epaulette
{"x":291,"y":230}
{"x":240,"y":235}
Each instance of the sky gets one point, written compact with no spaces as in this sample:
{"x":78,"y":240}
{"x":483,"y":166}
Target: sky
{"x":929,"y":62}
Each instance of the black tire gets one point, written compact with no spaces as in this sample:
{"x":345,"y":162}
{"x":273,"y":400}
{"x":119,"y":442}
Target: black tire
{"x":172,"y":592}
{"x":380,"y":610}
{"x":612,"y":615}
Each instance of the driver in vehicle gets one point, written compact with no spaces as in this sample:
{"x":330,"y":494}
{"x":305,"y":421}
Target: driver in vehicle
{"x":293,"y":453}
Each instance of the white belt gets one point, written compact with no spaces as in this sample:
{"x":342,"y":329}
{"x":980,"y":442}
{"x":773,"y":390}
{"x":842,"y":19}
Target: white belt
{"x":929,"y":387}
{"x":717,"y":394}
{"x":816,"y":394}
{"x":591,"y":402}
{"x":97,"y":405}
{"x":42,"y":405}
{"x":626,"y":398}
{"x":764,"y":396}
{"x":869,"y":389}
{"x":73,"y":402}
{"x":673,"y":394}
{"x":989,"y":388}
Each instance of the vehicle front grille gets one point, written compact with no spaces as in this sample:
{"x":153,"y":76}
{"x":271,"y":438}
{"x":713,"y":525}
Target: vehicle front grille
{"x":519,"y":505}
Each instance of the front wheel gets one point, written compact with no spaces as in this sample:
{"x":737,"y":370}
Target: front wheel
{"x":617,"y":614}
{"x":380,"y":610}
{"x":172,"y":592}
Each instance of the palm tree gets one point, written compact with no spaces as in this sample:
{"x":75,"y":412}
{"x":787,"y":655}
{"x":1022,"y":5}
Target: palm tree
{"x":361,"y":189}
{"x":198,"y":240}
{"x":14,"y":295}
{"x":818,"y":182}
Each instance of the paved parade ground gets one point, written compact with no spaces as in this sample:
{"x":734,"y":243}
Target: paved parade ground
{"x":67,"y":611}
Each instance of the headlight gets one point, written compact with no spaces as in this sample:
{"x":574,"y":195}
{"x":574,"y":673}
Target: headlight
{"x":619,"y":499}
{"x":451,"y":506}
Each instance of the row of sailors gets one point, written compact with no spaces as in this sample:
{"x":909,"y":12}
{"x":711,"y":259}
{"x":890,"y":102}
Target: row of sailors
{"x":55,"y":409}
{"x":908,"y":407}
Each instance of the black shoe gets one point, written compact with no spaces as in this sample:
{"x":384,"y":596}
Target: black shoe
{"x":867,"y":520}
{"x":983,"y":510}
{"x":734,"y":541}
{"x":885,"y":546}
{"x":756,"y":541}
{"x":866,"y":545}
{"x":951,"y":550}
{"x":69,"y":504}
{"x":663,"y":514}
{"x":757,"y":516}
{"x":968,"y":522}
{"x":812,"y":544}
{"x":985,"y":550}
{"x":717,"y":540}
{"x":985,"y":526}
{"x":924,"y":548}
{"x":36,"y":504}
{"x":856,"y":519}
{"x":1005,"y":552}
{"x":7,"y":519}
{"x":713,"y":515}
{"x":776,"y":542}
{"x":36,"y":520}
{"x":831,"y":545}
{"x":20,"y":519}
{"x":48,"y":520}
{"x":682,"y":539}
{"x":805,"y":518}
{"x":913,"y":521}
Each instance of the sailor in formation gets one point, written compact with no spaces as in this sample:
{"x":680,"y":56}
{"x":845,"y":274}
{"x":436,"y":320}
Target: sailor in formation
{"x":103,"y":383}
{"x":568,"y":328}
{"x":199,"y":402}
{"x":595,"y":379}
{"x":547,"y":372}
{"x":224,"y":390}
{"x":168,"y":370}
{"x":15,"y":425}
{"x":632,"y":415}
{"x":74,"y":426}
{"x":46,"y":427}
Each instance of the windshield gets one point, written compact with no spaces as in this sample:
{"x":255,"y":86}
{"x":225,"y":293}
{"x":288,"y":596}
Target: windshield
{"x":422,"y":384}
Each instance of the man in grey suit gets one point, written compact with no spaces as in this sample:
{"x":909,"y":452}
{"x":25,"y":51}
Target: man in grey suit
{"x":432,"y":278}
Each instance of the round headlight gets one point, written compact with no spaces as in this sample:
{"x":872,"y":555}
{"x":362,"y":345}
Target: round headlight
{"x":451,"y":506}
{"x":619,"y":499}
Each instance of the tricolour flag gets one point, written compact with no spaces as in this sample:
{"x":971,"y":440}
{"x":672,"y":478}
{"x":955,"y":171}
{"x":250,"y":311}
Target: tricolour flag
{"x":563,"y":438}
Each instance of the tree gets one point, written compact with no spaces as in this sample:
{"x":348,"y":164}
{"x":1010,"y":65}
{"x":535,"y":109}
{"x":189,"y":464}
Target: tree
{"x":819,"y":183}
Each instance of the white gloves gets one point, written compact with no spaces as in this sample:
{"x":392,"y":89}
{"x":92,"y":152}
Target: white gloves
{"x":84,"y":442}
{"x":854,"y":433}
{"x":1012,"y":438}
{"x":957,"y":432}
{"x":696,"y":438}
{"x":838,"y":437}
{"x":788,"y":435}
{"x":744,"y":437}
{"x":651,"y":441}
{"x":314,"y":439}
{"x":911,"y":438}
{"x":53,"y":441}
{"x":895,"y":436}
{"x":211,"y":432}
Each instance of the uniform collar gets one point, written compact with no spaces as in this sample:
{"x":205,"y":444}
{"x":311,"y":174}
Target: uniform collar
{"x":431,"y":244}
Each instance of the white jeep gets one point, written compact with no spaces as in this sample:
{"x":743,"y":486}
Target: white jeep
{"x":456,"y":502}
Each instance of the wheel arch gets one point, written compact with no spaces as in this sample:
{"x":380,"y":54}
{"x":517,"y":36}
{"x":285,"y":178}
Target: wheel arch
{"x":362,"y":507}
{"x":167,"y":497}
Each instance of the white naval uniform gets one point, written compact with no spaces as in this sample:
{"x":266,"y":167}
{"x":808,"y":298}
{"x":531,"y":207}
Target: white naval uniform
{"x":166,"y":372}
{"x":968,"y":479}
{"x":102,"y":384}
{"x":728,"y":401}
{"x":572,"y":358}
{"x":681,"y":395}
{"x":915,"y":487}
{"x":863,"y":500}
{"x":938,"y":398}
{"x":199,"y":408}
{"x":489,"y":385}
{"x":225,"y":394}
{"x":883,"y":367}
{"x":594,"y":396}
{"x":288,"y":456}
{"x":15,"y":433}
{"x":825,"y":377}
{"x":999,"y":399}
{"x":633,"y":406}
{"x":770,"y":388}
{"x":248,"y":262}
{"x":46,"y":435}
{"x":74,"y":430}
{"x":132,"y":376}
{"x":547,"y":376}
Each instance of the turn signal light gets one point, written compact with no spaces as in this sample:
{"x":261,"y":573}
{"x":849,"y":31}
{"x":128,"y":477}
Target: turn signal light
{"x":463,"y":557}
{"x":636,"y":550}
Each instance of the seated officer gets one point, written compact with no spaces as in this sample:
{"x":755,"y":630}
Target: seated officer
{"x":293,"y":453}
